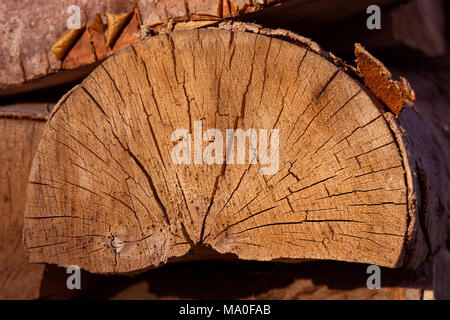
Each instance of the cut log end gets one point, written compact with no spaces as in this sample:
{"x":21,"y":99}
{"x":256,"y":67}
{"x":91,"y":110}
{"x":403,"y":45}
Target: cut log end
{"x":106,"y":192}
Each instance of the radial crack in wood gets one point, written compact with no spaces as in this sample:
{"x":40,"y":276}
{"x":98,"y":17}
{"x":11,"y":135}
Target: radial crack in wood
{"x":106,"y":194}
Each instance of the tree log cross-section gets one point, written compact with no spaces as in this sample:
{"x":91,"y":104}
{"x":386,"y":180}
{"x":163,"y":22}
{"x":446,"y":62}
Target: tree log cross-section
{"x":106,"y":193}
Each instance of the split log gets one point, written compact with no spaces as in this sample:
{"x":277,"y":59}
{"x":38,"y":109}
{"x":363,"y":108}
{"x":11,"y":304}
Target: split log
{"x":432,"y":124}
{"x":39,"y":51}
{"x":21,"y":128}
{"x":105,"y":192}
{"x":32,"y":29}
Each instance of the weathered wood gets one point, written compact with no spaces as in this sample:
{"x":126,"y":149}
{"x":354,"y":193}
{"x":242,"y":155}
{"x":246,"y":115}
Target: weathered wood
{"x":427,"y":128}
{"x":21,"y":128}
{"x":20,"y":134}
{"x":32,"y":48}
{"x":31,"y":30}
{"x":441,"y":275}
{"x":104,"y":193}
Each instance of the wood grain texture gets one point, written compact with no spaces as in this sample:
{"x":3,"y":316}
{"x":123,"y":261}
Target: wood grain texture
{"x":105,"y":195}
{"x":31,"y":28}
{"x":20,"y":136}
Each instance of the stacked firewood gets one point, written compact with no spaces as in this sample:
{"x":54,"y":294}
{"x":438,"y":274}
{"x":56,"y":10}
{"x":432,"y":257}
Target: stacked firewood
{"x":115,"y":120}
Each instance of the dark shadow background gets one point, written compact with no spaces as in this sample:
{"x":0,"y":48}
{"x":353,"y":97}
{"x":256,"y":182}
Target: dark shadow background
{"x":220,"y":280}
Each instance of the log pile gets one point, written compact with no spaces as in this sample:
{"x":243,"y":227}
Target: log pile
{"x":21,"y":128}
{"x":133,"y":168}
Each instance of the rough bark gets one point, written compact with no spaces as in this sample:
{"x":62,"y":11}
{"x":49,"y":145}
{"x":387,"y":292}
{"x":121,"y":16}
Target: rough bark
{"x":105,"y":195}
{"x":31,"y":29}
{"x":427,"y":127}
{"x":36,"y":43}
